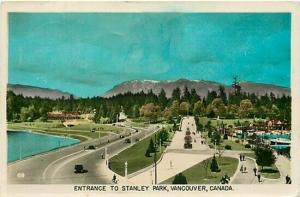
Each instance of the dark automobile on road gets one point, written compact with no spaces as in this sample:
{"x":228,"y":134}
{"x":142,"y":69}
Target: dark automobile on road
{"x":91,"y":147}
{"x":79,"y":169}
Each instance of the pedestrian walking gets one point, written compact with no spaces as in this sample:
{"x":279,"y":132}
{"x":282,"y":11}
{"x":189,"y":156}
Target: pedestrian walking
{"x":288,"y":180}
{"x":240,"y":157}
{"x":254,"y":170}
{"x":258,"y":177}
{"x":245,"y":169}
{"x":171,"y":164}
{"x":242,"y":168}
{"x":244,"y":158}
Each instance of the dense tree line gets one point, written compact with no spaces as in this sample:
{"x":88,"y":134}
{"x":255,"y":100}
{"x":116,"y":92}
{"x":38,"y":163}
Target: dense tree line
{"x":151,"y":106}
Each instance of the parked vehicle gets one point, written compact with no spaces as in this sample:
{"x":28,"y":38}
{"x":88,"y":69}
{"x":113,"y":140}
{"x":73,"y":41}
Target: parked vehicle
{"x":91,"y":147}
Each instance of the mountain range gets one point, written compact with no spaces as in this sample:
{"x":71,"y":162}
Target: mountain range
{"x":201,"y":87}
{"x":135,"y":86}
{"x":32,"y":91}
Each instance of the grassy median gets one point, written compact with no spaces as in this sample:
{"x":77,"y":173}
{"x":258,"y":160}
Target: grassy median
{"x":135,"y":157}
{"x":199,"y":174}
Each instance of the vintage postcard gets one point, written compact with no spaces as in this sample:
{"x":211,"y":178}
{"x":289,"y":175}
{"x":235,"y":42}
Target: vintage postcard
{"x":161,"y":98}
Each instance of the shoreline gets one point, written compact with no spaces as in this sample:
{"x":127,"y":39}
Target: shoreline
{"x":41,"y":153}
{"x":40,"y":133}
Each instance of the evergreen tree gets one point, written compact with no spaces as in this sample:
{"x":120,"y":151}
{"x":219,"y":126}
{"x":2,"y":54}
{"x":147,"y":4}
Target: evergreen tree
{"x":214,"y":167}
{"x":180,"y":179}
{"x":147,"y":154}
{"x":162,"y":99}
{"x":194,"y":97}
{"x":151,"y":146}
{"x":186,"y":95}
{"x":176,"y":94}
{"x":211,"y":96}
{"x":222,"y":94}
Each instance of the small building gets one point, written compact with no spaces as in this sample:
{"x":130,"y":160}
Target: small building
{"x":122,"y":117}
{"x":61,"y":115}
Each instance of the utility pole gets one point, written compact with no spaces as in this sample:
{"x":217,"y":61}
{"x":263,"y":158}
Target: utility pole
{"x":155,"y":166}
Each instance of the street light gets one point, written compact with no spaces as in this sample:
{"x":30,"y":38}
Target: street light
{"x":215,"y":146}
{"x":126,"y":164}
{"x":160,"y":145}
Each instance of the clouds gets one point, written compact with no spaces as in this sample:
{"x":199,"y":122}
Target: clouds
{"x":90,"y":53}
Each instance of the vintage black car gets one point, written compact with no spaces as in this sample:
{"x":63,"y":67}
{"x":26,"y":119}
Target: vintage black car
{"x":79,"y":168}
{"x":91,"y":147}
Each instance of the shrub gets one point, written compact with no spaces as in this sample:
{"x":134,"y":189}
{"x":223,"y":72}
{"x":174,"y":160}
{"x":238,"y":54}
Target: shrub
{"x":227,"y":147}
{"x":237,"y":141}
{"x":247,"y":146}
{"x":179,"y":179}
{"x":214,"y":167}
{"x":147,"y":154}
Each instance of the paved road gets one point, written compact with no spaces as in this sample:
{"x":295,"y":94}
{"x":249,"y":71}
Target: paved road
{"x":49,"y":167}
{"x":63,"y":171}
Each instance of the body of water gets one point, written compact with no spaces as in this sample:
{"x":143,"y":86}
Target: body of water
{"x":25,"y":144}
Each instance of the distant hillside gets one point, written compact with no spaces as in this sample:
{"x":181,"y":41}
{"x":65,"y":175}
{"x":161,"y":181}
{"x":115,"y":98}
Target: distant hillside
{"x":201,"y":87}
{"x":31,"y":91}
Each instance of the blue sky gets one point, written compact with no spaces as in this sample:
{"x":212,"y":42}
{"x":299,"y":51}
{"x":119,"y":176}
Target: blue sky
{"x":87,"y":54}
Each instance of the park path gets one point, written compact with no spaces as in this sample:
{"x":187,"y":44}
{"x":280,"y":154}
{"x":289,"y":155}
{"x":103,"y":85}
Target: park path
{"x":248,"y":176}
{"x":282,"y":163}
{"x":176,"y":159}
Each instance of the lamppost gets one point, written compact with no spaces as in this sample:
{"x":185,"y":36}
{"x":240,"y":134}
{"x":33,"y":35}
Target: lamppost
{"x":20,"y":149}
{"x":126,"y":164}
{"x":155,"y":165}
{"x":215,"y":146}
{"x":160,"y":145}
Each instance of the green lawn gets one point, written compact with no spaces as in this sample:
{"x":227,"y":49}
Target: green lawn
{"x":270,"y":172}
{"x":232,"y":143}
{"x":135,"y":157}
{"x":139,"y":124}
{"x":100,"y":127}
{"x":215,"y":122}
{"x":197,"y":173}
{"x":251,"y":155}
{"x":81,"y":131}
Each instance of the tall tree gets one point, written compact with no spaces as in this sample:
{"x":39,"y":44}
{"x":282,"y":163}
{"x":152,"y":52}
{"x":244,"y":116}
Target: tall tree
{"x":162,"y":99}
{"x":194,"y":96}
{"x":264,"y":156}
{"x":184,"y":108}
{"x":245,"y":109}
{"x":199,"y":108}
{"x":222,"y":94}
{"x":186,"y":95}
{"x":211,"y":95}
{"x":176,"y":94}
